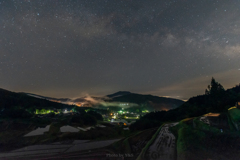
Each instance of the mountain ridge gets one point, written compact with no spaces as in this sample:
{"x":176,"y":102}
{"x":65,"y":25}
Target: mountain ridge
{"x":158,"y":103}
{"x":34,"y":100}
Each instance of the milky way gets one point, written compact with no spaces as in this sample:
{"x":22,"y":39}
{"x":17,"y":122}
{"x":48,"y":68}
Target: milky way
{"x":69,"y":48}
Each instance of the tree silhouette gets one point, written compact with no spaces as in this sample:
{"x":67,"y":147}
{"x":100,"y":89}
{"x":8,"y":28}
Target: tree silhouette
{"x":215,"y":88}
{"x":216,"y":97}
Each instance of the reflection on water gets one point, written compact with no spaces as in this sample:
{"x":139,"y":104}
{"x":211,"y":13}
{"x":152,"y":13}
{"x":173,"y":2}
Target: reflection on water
{"x":37,"y":132}
{"x":40,"y":131}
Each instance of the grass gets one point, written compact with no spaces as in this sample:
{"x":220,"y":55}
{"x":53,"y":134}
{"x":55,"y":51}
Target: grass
{"x":204,"y":127}
{"x":197,"y":140}
{"x":230,"y":123}
{"x":187,"y":137}
{"x":234,"y":117}
{"x":234,"y":114}
{"x":186,"y":120}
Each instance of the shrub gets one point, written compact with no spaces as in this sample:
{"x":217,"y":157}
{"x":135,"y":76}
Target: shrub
{"x":96,"y":115}
{"x":89,"y":119}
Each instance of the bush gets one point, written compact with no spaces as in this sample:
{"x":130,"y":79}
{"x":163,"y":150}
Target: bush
{"x":77,"y":119}
{"x":144,"y":123}
{"x":96,"y":115}
{"x":89,"y":119}
{"x":40,"y":121}
{"x":85,"y":119}
{"x":79,"y":110}
{"x":16,"y":113}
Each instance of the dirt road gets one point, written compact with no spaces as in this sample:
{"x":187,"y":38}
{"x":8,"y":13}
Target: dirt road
{"x":164,"y":147}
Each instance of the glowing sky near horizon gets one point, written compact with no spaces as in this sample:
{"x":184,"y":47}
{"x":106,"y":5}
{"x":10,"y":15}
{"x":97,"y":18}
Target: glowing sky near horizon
{"x":69,"y":48}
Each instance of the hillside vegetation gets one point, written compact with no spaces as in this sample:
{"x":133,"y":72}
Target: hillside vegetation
{"x":234,"y":114}
{"x":197,"y":140}
{"x":10,"y":99}
{"x":215,"y":99}
{"x":147,"y":101}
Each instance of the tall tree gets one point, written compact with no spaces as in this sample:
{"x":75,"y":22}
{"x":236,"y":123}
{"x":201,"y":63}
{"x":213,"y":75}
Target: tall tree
{"x":216,"y":96}
{"x":215,"y":88}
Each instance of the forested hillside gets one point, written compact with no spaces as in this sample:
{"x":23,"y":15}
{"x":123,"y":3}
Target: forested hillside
{"x":215,"y":99}
{"x":10,"y":99}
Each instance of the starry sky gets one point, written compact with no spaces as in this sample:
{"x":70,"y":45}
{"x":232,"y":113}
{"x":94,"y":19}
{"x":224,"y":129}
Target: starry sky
{"x":71,"y":48}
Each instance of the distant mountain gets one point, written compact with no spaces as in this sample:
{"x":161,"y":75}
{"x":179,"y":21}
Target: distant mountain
{"x":120,"y":93}
{"x":28,"y":100}
{"x":79,"y":100}
{"x":154,"y":102}
{"x":59,"y":100}
{"x":10,"y":99}
{"x":49,"y":98}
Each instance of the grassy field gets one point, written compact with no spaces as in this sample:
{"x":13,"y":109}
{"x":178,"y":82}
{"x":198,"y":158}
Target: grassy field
{"x":234,"y":114}
{"x":188,"y":138}
{"x":231,"y":124}
{"x":197,"y":140}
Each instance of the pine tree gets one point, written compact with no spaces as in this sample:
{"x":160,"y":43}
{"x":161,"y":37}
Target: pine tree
{"x":215,"y":88}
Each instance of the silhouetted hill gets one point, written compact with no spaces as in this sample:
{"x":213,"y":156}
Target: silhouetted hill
{"x":219,"y":101}
{"x":48,"y":98}
{"x":79,"y":100}
{"x":10,"y":99}
{"x":120,"y":93}
{"x":154,"y":102}
{"x":215,"y":100}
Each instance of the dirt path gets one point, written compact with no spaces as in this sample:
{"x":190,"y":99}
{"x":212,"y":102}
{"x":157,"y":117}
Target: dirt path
{"x":164,"y":147}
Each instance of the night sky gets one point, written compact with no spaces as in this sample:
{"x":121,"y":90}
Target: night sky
{"x":70,"y":48}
